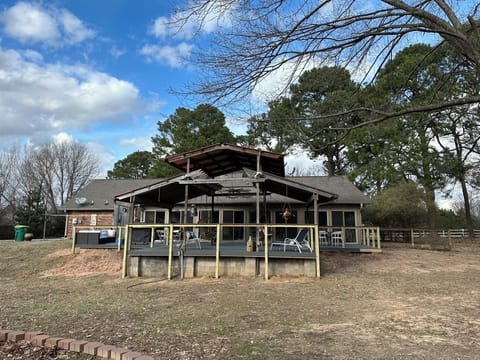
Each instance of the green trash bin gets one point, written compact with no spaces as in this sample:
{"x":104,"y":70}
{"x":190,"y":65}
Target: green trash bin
{"x":20,"y":231}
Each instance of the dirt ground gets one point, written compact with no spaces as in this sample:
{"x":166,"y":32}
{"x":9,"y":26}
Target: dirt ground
{"x":402,"y":304}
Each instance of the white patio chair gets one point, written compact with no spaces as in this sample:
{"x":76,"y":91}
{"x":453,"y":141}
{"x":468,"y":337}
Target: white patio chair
{"x":323,"y":236}
{"x":192,"y":236}
{"x":336,"y":238}
{"x":299,"y":242}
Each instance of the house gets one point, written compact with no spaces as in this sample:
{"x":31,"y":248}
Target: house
{"x":222,"y":183}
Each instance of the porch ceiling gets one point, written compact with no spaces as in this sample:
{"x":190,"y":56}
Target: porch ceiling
{"x":220,"y":159}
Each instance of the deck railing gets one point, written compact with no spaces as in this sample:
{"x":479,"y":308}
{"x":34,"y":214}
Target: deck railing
{"x":361,"y":235}
{"x":369,"y":236}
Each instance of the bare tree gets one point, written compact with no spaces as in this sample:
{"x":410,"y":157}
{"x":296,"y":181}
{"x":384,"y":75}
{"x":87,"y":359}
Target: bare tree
{"x":9,"y":159}
{"x":265,"y":35}
{"x":57,"y":170}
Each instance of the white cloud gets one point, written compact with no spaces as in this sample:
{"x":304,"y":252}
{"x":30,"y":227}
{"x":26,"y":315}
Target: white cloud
{"x":173,"y":56}
{"x":277,"y":82}
{"x":40,"y":98}
{"x":62,"y":138}
{"x":138,"y":143}
{"x":75,"y":31}
{"x":29,"y":22}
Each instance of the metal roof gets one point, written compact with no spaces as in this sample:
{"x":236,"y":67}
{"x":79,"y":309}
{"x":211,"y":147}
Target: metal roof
{"x":219,"y":159}
{"x":170,"y":192}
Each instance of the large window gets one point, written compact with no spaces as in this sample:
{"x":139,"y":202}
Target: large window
{"x":177,"y":217}
{"x":345,"y":219}
{"x":233,"y":217}
{"x":322,"y":218}
{"x":205,"y":217}
{"x":154,"y":217}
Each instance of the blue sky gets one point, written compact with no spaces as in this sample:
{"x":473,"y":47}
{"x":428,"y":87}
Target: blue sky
{"x":99,"y":72}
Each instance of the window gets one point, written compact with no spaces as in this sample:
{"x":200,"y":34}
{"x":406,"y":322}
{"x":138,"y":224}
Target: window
{"x":154,"y":217}
{"x":322,"y":218}
{"x":233,"y":217}
{"x":178,"y":217}
{"x":205,"y":217}
{"x":345,"y":219}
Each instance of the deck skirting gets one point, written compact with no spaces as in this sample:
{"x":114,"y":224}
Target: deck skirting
{"x":204,"y":266}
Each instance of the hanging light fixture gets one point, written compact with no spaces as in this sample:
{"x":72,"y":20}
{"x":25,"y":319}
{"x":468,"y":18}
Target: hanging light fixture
{"x":193,"y":210}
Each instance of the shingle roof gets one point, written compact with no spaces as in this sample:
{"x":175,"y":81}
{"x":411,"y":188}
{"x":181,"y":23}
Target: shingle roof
{"x":102,"y":192}
{"x":347,"y":192}
{"x":99,"y":194}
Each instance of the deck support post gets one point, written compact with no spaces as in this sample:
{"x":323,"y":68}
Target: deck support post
{"x":74,"y":239}
{"x":126,"y":247}
{"x":170,"y":252}
{"x":217,"y":252}
{"x":317,"y":252}
{"x":266,"y":251}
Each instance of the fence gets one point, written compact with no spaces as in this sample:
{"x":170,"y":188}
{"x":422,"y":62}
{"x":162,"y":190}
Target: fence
{"x":438,"y":239}
{"x":408,"y":235}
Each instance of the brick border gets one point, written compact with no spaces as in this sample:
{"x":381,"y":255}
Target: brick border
{"x":38,"y":338}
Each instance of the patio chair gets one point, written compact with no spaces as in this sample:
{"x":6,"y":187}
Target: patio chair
{"x":336,"y":238}
{"x":299,"y":242}
{"x":323,"y":236}
{"x":192,"y":236}
{"x":161,"y":236}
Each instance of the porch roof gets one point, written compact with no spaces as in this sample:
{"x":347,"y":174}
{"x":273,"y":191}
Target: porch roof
{"x":170,"y":192}
{"x":219,"y":159}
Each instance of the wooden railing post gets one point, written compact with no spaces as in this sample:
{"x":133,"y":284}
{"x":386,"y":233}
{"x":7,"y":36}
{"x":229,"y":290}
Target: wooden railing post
{"x":317,"y":252}
{"x":170,"y":252}
{"x":74,"y":238}
{"x":217,"y":252}
{"x":126,"y":247}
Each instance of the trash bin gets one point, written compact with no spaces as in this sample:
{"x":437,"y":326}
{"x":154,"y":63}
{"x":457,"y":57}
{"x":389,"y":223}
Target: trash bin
{"x":20,"y":231}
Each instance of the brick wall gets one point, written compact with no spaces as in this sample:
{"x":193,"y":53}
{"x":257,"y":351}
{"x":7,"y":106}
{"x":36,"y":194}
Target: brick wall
{"x":102,"y":218}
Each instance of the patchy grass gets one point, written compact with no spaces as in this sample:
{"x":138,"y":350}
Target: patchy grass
{"x":402,"y":304}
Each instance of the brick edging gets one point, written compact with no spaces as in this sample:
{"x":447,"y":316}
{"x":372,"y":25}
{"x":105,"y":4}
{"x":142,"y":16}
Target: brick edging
{"x":38,"y":338}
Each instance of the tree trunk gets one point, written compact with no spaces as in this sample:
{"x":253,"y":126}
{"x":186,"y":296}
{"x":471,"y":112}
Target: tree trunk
{"x":468,"y":213}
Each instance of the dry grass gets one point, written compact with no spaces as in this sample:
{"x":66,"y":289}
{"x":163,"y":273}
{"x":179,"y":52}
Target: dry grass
{"x":401,"y":304}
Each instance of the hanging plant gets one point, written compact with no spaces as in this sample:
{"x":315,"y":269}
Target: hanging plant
{"x":287,"y":214}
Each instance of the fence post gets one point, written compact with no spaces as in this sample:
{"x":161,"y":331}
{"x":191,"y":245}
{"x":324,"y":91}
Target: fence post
{"x":411,"y":238}
{"x":378,"y":237}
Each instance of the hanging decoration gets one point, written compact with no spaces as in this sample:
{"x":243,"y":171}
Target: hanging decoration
{"x":287,"y":213}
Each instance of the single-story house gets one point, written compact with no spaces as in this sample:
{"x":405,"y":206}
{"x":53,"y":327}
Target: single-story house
{"x":221,"y":183}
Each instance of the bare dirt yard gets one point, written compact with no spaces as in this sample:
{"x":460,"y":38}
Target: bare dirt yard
{"x":401,"y":304}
